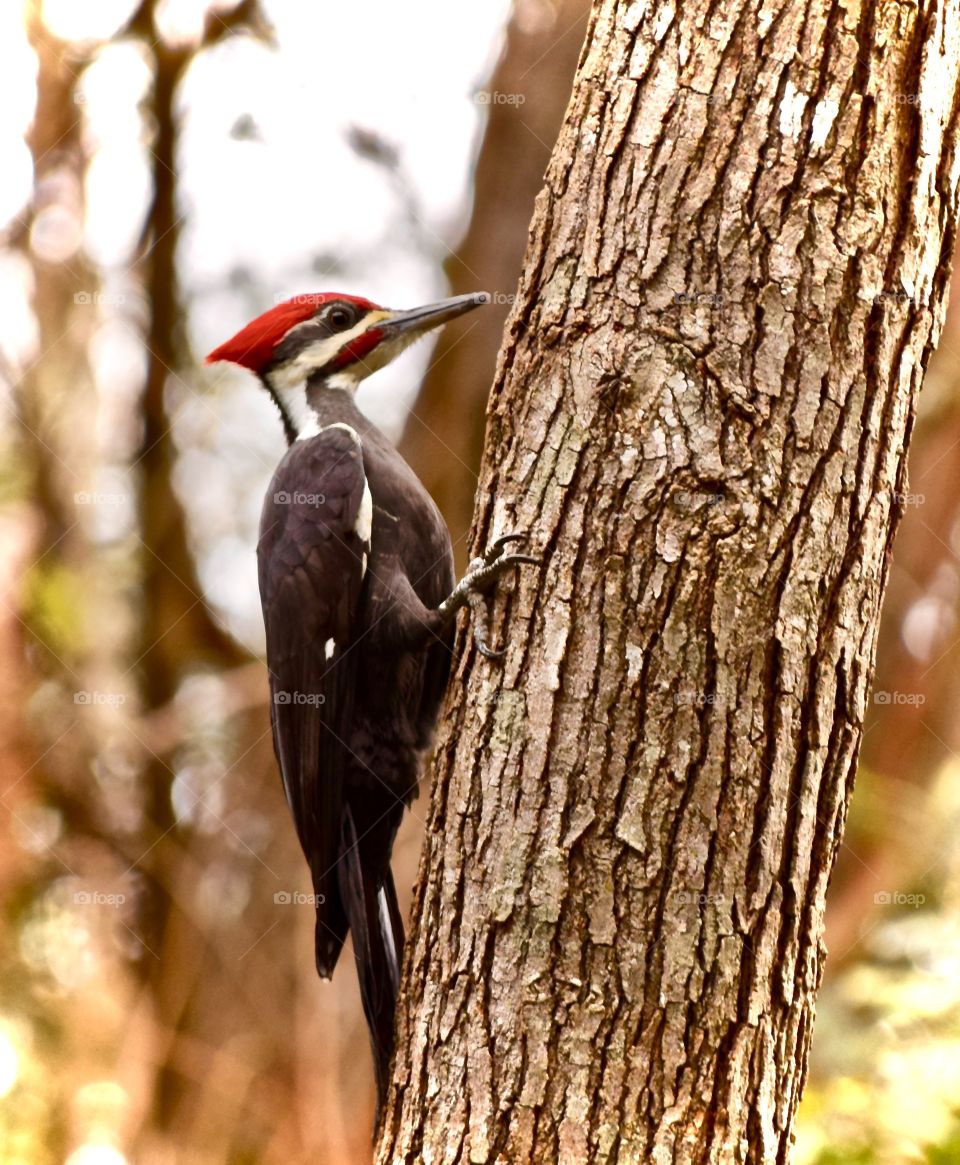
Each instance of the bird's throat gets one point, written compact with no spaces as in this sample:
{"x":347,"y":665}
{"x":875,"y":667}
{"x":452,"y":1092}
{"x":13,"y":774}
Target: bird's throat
{"x":308,"y":406}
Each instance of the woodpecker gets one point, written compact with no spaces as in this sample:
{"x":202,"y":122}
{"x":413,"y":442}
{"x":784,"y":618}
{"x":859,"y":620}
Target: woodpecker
{"x":359,"y":603}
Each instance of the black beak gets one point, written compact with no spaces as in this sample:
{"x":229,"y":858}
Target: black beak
{"x":422,"y":319}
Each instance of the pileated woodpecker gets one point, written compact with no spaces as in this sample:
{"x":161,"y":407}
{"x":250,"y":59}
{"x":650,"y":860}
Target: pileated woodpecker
{"x":359,"y":601}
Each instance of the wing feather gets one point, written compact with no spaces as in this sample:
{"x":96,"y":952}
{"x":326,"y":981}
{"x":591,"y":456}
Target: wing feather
{"x":311,"y":560}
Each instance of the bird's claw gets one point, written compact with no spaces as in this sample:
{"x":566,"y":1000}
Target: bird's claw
{"x":482,"y":573}
{"x":479,"y":609}
{"x":489,"y":566}
{"x":497,"y":548}
{"x":470,"y":590}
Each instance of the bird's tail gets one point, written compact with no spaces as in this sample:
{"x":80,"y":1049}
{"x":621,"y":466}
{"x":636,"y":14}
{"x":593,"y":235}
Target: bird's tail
{"x":370,"y":904}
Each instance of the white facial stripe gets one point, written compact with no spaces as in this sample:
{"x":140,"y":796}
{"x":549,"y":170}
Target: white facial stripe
{"x":321,"y":352}
{"x":289,"y":380}
{"x":293,"y":398}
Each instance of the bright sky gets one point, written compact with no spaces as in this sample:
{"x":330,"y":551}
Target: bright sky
{"x":277,"y":203}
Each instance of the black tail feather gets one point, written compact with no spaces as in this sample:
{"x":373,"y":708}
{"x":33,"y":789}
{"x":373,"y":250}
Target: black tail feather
{"x":370,"y":905}
{"x":330,"y":928}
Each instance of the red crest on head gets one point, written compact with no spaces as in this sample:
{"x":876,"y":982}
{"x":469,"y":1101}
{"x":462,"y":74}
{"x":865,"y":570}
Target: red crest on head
{"x":254,"y":344}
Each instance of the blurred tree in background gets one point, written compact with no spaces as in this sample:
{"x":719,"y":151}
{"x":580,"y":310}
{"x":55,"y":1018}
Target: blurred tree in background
{"x":170,"y":167}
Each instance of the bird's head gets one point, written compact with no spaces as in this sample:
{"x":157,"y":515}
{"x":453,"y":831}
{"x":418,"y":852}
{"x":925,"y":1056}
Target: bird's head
{"x":329,"y":340}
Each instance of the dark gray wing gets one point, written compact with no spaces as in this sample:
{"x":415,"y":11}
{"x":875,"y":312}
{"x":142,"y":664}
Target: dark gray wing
{"x":312,"y":556}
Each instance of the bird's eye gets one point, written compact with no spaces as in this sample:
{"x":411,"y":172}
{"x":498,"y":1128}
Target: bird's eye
{"x":340,"y":317}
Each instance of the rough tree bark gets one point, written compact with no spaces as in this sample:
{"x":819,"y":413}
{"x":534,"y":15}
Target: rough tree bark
{"x":737,"y":272}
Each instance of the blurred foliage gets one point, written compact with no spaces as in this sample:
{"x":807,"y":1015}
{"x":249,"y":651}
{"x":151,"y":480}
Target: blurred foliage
{"x":884,"y":1085}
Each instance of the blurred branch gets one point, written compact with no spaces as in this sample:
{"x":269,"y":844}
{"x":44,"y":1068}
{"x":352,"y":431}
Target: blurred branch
{"x":219,"y":23}
{"x":443,"y":436}
{"x":179,"y":632}
{"x":179,"y":627}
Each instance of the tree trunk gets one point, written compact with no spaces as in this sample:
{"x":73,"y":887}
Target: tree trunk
{"x":736,"y":275}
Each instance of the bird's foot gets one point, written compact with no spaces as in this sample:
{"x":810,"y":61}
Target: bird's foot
{"x":481,"y":575}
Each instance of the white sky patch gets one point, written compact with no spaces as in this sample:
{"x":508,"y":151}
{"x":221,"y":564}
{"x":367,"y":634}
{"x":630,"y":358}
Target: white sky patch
{"x":118,"y":179}
{"x":119,"y":363}
{"x":791,"y":111}
{"x":926,"y":625}
{"x":180,"y":21}
{"x":109,"y":91}
{"x":824,"y":116}
{"x":19,"y":334}
{"x":17,"y":180}
{"x":18,"y":88}
{"x":80,"y":22}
